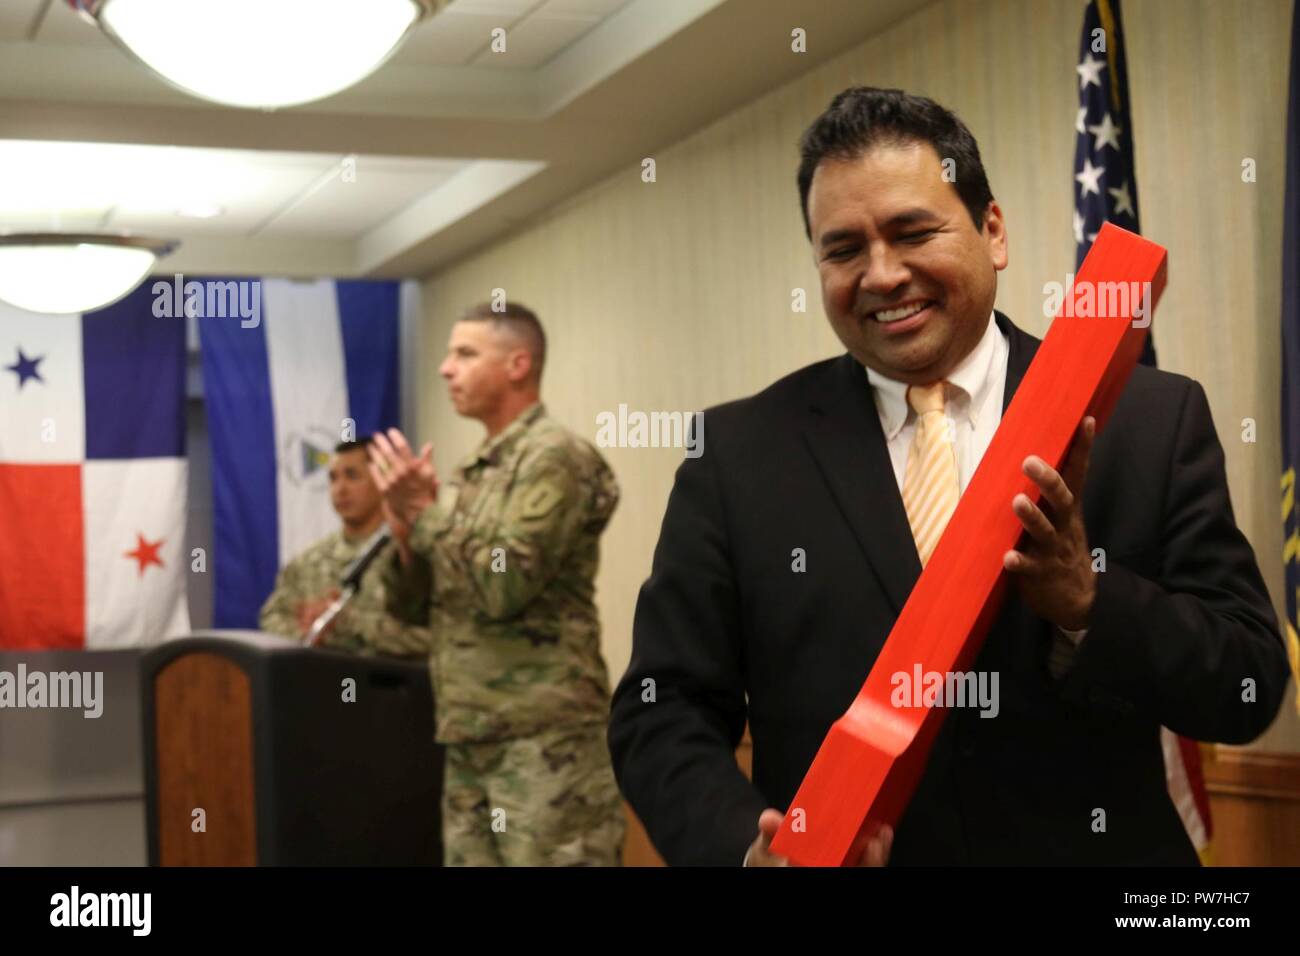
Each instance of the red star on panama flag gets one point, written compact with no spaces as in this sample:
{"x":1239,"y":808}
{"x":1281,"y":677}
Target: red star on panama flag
{"x":145,"y":552}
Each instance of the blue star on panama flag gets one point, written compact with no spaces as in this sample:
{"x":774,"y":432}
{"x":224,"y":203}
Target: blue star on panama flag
{"x":25,"y":368}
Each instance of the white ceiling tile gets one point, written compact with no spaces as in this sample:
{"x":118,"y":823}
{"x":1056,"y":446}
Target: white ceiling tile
{"x":403,"y":165}
{"x":342,"y":210}
{"x":451,"y":38}
{"x":230,"y":225}
{"x":534,"y":41}
{"x":90,"y":186}
{"x":65,"y":219}
{"x":511,"y":8}
{"x":595,"y":9}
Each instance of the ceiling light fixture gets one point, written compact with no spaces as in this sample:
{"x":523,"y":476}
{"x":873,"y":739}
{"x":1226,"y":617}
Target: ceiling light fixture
{"x":62,"y":274}
{"x":259,"y":53}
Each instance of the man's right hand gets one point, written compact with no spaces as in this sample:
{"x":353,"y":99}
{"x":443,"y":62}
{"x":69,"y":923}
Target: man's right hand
{"x":868,"y":850}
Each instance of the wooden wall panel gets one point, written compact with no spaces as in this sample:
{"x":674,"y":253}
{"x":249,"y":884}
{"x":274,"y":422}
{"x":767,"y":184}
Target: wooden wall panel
{"x":1255,"y":806}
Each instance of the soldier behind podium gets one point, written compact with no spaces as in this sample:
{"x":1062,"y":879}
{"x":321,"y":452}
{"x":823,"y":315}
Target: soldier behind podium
{"x":506,"y":573}
{"x":310,"y":582}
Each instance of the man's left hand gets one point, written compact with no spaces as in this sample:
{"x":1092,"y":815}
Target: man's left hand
{"x":1053,"y":568}
{"x":407,"y":482}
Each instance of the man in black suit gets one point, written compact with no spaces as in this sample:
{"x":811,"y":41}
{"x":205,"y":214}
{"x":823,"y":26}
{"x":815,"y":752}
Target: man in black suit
{"x":789,"y":548}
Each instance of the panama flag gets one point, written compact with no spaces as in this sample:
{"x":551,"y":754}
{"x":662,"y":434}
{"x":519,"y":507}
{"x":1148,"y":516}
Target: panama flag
{"x":317,"y":367}
{"x":92,"y":478}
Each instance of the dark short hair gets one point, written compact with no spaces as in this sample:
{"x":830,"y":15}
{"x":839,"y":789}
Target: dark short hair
{"x":519,"y":320}
{"x":863,"y":117}
{"x":361,"y":444}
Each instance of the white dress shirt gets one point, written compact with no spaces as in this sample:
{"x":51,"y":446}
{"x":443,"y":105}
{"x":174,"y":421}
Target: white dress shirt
{"x":972,"y":408}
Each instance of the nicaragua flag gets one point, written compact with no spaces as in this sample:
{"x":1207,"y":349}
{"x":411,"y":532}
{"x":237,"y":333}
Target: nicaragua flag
{"x":320,"y":366}
{"x":92,"y":477}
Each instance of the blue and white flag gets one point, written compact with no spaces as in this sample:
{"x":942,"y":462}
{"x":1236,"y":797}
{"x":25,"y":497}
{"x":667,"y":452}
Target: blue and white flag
{"x":317,"y":365}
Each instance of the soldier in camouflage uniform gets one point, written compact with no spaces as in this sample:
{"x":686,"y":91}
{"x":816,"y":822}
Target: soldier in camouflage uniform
{"x":505,"y":576}
{"x":310,"y":582}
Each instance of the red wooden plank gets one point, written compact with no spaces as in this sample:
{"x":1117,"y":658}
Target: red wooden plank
{"x":869,"y":764}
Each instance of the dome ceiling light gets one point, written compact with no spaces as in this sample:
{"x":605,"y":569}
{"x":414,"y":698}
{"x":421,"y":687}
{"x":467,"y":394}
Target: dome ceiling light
{"x":68,"y":273}
{"x":259,"y":53}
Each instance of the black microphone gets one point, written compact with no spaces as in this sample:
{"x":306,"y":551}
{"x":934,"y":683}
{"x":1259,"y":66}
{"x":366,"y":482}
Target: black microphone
{"x":353,"y":572}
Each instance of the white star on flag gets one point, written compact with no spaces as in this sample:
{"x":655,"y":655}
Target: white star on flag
{"x":1089,"y":176}
{"x":1106,"y":133}
{"x":1103,"y":135}
{"x":1090,"y":72}
{"x":1123,"y":201}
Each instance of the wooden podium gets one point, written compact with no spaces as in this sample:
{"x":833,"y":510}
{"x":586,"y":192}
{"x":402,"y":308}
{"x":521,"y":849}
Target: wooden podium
{"x":259,"y":751}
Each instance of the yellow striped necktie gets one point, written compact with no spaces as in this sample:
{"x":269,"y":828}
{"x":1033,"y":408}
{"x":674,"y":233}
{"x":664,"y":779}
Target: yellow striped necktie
{"x":930,"y":485}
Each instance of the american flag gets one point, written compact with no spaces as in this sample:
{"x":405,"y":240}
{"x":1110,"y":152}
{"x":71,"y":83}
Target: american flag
{"x":1105,"y":181}
{"x":1105,"y":188}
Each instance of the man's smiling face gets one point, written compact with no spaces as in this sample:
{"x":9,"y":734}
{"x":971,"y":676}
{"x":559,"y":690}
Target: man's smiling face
{"x":907,"y":280}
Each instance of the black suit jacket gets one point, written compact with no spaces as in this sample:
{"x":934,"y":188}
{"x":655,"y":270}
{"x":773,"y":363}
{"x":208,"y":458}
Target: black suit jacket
{"x":728,"y":631}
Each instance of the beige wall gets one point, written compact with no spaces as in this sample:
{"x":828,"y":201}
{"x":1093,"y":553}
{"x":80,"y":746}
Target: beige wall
{"x":675,"y":295}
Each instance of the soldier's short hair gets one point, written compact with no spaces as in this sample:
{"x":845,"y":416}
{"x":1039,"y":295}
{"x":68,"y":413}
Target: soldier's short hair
{"x":361,"y":444}
{"x":519,"y":321}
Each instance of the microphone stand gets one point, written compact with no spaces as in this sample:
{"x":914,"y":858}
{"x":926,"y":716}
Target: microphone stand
{"x":349,"y":585}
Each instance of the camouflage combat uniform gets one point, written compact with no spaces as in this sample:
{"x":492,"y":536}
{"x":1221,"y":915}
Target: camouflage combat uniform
{"x":364,"y":626}
{"x":505,"y":576}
